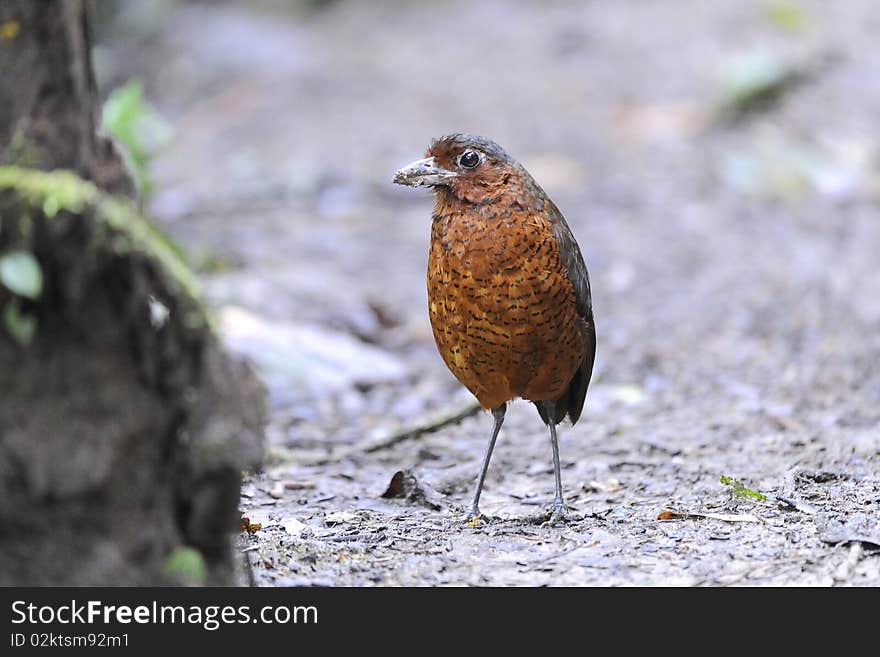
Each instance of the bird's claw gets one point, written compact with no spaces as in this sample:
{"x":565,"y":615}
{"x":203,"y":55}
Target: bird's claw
{"x":556,"y":514}
{"x":474,"y":518}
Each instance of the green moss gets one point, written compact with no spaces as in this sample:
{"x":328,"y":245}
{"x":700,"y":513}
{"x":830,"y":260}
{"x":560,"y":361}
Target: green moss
{"x":127,"y":231}
{"x":20,"y":151}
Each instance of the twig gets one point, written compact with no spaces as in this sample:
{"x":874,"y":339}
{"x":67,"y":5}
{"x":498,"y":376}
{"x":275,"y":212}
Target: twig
{"x":369,"y":446}
{"x":422,"y":429}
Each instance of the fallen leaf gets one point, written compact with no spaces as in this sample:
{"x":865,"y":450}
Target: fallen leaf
{"x":248,"y":526}
{"x":726,"y":517}
{"x":405,"y":485}
{"x":396,"y":487}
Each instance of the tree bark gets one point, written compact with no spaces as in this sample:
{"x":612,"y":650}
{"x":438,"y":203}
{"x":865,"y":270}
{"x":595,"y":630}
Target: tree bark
{"x":124,"y":427}
{"x":49,"y":105}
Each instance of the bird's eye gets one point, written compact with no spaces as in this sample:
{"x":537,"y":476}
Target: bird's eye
{"x":469,"y":159}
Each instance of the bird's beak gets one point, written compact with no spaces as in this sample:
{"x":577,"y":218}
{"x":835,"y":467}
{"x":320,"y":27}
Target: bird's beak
{"x":422,"y":173}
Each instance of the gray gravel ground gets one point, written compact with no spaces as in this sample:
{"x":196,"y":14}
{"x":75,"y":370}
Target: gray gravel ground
{"x":734,"y":263}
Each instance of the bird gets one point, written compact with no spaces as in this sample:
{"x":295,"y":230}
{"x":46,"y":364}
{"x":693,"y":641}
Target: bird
{"x":508,"y":291}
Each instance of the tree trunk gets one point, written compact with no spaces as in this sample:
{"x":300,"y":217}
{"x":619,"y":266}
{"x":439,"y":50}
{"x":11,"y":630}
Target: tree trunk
{"x":124,"y":428}
{"x":48,"y":101}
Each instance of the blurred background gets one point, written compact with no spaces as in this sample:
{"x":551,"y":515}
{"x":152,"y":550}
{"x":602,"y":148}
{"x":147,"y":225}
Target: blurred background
{"x":718,"y":163}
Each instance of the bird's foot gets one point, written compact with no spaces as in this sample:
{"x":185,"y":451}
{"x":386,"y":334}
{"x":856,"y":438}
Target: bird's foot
{"x":474,"y":518}
{"x":559,"y":514}
{"x":555,"y":515}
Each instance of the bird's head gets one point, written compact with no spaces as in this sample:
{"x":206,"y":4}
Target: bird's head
{"x":470,"y":168}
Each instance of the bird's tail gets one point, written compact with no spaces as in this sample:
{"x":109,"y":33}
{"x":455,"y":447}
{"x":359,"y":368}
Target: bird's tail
{"x":571,"y":403}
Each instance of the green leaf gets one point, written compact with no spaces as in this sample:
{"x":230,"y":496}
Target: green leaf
{"x":138,"y":127}
{"x":736,"y":488}
{"x":187,"y":564}
{"x":20,"y":273}
{"x":21,"y":327}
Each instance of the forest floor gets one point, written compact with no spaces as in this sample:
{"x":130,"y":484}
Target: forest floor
{"x":733,"y":250}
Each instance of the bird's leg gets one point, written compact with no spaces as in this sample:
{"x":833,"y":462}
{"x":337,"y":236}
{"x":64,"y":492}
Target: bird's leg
{"x":558,"y":511}
{"x":498,"y":414}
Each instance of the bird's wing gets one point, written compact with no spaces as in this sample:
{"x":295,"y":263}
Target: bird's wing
{"x":572,"y":260}
{"x":572,"y":402}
